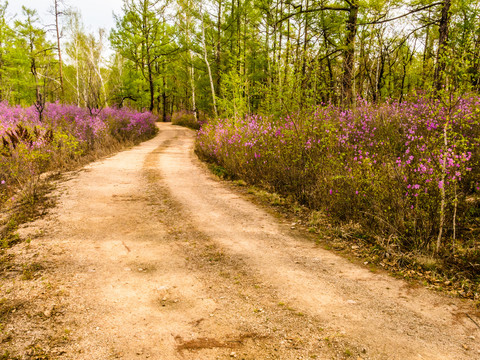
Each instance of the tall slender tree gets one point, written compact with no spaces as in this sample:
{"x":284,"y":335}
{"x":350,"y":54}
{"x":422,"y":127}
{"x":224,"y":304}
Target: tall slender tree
{"x":139,"y":37}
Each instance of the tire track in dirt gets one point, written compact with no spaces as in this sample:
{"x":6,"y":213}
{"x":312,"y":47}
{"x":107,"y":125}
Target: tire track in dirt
{"x":253,"y":322}
{"x":386,"y":316}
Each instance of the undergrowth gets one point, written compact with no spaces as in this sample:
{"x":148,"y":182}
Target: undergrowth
{"x":33,"y":152}
{"x":186,"y":119}
{"x":447,"y":274}
{"x":401,"y":179}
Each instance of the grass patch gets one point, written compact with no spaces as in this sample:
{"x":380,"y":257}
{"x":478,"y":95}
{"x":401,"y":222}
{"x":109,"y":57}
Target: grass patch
{"x":28,"y":208}
{"x":220,"y":171}
{"x":7,"y":356}
{"x":29,"y":270}
{"x":7,"y":307}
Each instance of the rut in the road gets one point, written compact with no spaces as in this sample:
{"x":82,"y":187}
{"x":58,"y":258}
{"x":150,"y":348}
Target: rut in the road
{"x":374,"y":312}
{"x":249,"y":318}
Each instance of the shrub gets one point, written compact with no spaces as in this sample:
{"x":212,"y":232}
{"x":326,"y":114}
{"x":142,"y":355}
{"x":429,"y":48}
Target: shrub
{"x":65,"y":135}
{"x":185,"y":118}
{"x":383,"y":166}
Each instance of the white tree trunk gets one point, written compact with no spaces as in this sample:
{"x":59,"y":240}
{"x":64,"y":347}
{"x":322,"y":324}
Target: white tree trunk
{"x":442,"y":190}
{"x":212,"y":87}
{"x":192,"y":84}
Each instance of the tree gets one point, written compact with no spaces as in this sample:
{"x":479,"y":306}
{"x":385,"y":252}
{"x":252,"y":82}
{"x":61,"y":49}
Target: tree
{"x":5,"y":48}
{"x":57,"y":12}
{"x":443,"y":29}
{"x":86,"y":75}
{"x":32,"y":42}
{"x":141,"y":38}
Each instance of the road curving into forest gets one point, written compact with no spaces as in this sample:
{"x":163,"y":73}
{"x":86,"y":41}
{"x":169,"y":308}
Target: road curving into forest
{"x":149,"y":256}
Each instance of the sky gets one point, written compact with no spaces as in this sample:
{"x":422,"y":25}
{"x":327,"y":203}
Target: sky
{"x":96,"y":14}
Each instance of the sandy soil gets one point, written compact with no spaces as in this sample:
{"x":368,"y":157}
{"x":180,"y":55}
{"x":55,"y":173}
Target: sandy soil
{"x":147,"y":256}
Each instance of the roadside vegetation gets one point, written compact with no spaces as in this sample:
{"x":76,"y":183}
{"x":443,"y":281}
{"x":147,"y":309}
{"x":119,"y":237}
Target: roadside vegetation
{"x":186,"y":118}
{"x":65,"y":136}
{"x":403,"y":177}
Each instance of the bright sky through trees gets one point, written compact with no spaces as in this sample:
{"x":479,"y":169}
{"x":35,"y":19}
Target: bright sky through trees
{"x":95,"y":14}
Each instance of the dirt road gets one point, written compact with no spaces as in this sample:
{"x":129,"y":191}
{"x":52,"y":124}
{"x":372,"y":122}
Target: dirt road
{"x":147,"y":256}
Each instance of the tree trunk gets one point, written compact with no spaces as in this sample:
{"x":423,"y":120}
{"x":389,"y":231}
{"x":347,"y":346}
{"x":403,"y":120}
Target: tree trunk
{"x":442,"y":189}
{"x":239,"y":31}
{"x":442,"y":44}
{"x":267,"y":50}
{"x":164,"y":96}
{"x":77,"y":70}
{"x":60,"y":64}
{"x":279,"y":61}
{"x":212,"y":87}
{"x":219,"y":48}
{"x":476,"y":64}
{"x":192,"y":84}
{"x":304,"y":58}
{"x":33,"y":70}
{"x":191,"y":70}
{"x":305,"y":44}
{"x":349,"y":55}
{"x":287,"y":54}
{"x":151,"y":87}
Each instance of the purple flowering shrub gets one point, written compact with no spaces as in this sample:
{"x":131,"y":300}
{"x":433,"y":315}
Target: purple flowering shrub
{"x":65,"y":135}
{"x":383,"y":166}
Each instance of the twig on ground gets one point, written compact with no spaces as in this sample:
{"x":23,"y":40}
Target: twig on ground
{"x":473,"y":320}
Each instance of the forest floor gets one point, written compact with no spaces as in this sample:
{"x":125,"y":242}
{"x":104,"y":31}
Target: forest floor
{"x":147,"y":256}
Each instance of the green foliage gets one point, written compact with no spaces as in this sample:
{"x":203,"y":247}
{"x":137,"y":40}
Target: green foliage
{"x":185,"y":118}
{"x":254,"y":56}
{"x":33,"y":56}
{"x":143,"y":38}
{"x":7,"y":356}
{"x":235,"y":101}
{"x":219,"y":171}
{"x":380,"y":166}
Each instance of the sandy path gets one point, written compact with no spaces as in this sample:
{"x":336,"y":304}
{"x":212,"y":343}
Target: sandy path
{"x":150,"y":257}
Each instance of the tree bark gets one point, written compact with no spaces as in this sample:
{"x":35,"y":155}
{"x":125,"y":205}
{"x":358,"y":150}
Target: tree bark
{"x":151,"y":86}
{"x":218,"y":48}
{"x":442,"y":189}
{"x":60,"y":64}
{"x":349,"y":54}
{"x":164,"y":95}
{"x":443,"y":30}
{"x":212,"y":87}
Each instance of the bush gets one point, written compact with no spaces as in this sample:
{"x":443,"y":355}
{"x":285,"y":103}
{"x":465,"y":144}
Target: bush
{"x":65,"y":135}
{"x":185,"y":118}
{"x":383,"y":166}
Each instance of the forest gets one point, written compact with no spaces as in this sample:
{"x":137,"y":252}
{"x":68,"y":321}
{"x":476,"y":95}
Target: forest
{"x":365,"y":112}
{"x":240,"y":57}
